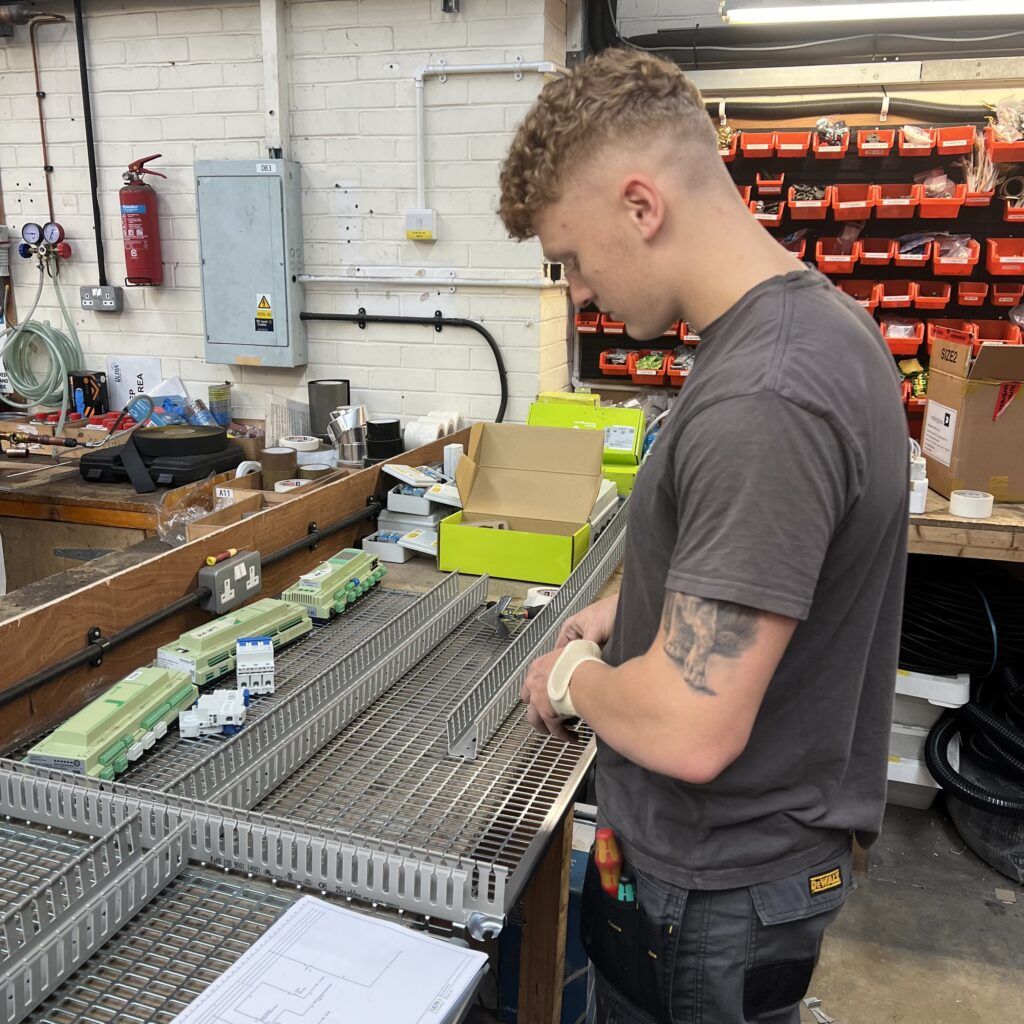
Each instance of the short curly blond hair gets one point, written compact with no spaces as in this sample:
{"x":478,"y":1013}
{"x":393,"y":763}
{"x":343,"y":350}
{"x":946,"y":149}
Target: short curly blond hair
{"x":614,"y":95}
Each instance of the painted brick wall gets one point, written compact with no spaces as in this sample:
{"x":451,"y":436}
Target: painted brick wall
{"x":187,"y":81}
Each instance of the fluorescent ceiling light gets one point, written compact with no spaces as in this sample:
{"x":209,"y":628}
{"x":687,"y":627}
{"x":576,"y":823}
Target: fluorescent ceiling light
{"x":816,"y":12}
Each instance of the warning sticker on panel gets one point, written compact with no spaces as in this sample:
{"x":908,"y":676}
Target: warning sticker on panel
{"x":939,"y":431}
{"x":264,"y":312}
{"x":620,"y":439}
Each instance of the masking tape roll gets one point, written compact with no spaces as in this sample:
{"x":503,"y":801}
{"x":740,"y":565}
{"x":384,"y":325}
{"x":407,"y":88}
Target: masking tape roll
{"x":246,"y":468}
{"x":451,"y":417}
{"x":421,"y":432}
{"x":971,"y":504}
{"x":289,"y":485}
{"x":300,"y":443}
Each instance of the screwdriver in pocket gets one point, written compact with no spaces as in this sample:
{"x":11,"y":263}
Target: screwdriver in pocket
{"x":608,"y":860}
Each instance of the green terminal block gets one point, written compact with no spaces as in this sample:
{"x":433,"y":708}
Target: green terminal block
{"x":335,"y":584}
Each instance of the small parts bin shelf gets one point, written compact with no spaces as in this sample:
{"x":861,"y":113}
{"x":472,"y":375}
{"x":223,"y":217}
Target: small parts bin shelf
{"x":649,"y":375}
{"x":588,"y":323}
{"x":792,"y":144}
{"x":729,"y":153}
{"x":892,"y":201}
{"x":971,"y":293}
{"x":954,"y":141}
{"x":757,"y":144}
{"x":809,"y":209}
{"x":877,"y":252}
{"x":899,"y":342}
{"x":1003,"y":152}
{"x":1013,"y":212}
{"x":933,"y":294}
{"x":852,"y":202}
{"x":1007,"y":294}
{"x":897,"y":294}
{"x":611,"y":368}
{"x":835,"y":260}
{"x":824,"y":151}
{"x":866,"y":293}
{"x":911,"y":145}
{"x":948,"y":261}
{"x":875,"y":142}
{"x":979,"y":198}
{"x":945,"y":207}
{"x":771,"y":213}
{"x":915,"y":258}
{"x":767,"y":185}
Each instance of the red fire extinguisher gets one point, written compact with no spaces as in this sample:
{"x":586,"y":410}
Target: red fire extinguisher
{"x":140,"y":226}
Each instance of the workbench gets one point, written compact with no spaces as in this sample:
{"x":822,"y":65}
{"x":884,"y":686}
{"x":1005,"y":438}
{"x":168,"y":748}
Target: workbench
{"x":937,"y":532}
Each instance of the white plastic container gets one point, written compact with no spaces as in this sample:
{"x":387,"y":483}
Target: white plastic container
{"x":911,"y":784}
{"x":921,"y":698}
{"x":411,"y":504}
{"x":907,"y":741}
{"x":386,"y":551}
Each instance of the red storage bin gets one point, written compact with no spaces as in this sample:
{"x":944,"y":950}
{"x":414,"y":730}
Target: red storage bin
{"x":809,"y":209}
{"x":649,"y":378}
{"x":933,"y":208}
{"x":892,"y":201}
{"x":908,"y":148}
{"x":897,"y":294}
{"x":609,"y":326}
{"x":610,"y":369}
{"x":744,"y":191}
{"x":588,"y":323}
{"x":913,"y":259}
{"x":831,"y":261}
{"x":932,"y":294}
{"x":979,"y":198}
{"x":866,"y":293}
{"x":971,"y":293}
{"x":729,"y":153}
{"x":995,"y":330}
{"x":1003,"y":152}
{"x":877,"y":252}
{"x":825,"y":152}
{"x":887,"y":139}
{"x":768,"y":186}
{"x":962,"y":331}
{"x":770,"y":220}
{"x":1007,"y":294}
{"x":950,"y":141}
{"x":757,"y":144}
{"x":1005,"y":257}
{"x":797,"y":248}
{"x":852,"y":202}
{"x":900,"y":346}
{"x":792,"y":144}
{"x":1012,"y":213}
{"x":687,"y":334}
{"x":673,"y":331}
{"x":676,"y":377}
{"x":954,"y":266}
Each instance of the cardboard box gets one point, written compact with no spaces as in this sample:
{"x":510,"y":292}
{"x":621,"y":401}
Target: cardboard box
{"x":543,"y":482}
{"x":243,"y":504}
{"x":974,"y":420}
{"x":623,"y":428}
{"x":254,"y":482}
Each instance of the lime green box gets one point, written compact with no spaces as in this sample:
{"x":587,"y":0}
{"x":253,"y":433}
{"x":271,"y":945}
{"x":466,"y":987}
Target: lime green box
{"x":622,"y":476}
{"x":623,"y":428}
{"x":541,"y":484}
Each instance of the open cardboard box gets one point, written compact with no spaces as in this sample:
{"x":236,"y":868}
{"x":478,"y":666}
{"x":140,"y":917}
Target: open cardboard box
{"x":254,"y":482}
{"x":974,"y":420}
{"x":541,"y":481}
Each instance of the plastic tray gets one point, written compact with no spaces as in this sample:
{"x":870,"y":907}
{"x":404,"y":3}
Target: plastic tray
{"x":757,"y":144}
{"x":1006,"y":294}
{"x":1003,"y":152}
{"x":809,"y":209}
{"x":877,"y":252}
{"x":744,"y":191}
{"x":864,"y":293}
{"x":588,"y":323}
{"x":824,"y":152}
{"x":996,"y":330}
{"x":770,"y":220}
{"x":613,"y":369}
{"x":830,"y":261}
{"x":916,"y":259}
{"x":1005,"y":256}
{"x":894,"y":201}
{"x":797,"y":248}
{"x":609,"y":326}
{"x":971,"y":293}
{"x":955,"y":266}
{"x":769,"y":186}
{"x":792,"y":144}
{"x":728,"y":155}
{"x":946,"y":207}
{"x":852,"y":202}
{"x":1011,"y":213}
{"x":951,"y":141}
{"x":932,"y":294}
{"x":904,"y":346}
{"x":687,"y":334}
{"x":882,"y":148}
{"x":979,"y":198}
{"x":913,"y":149}
{"x":897,"y":294}
{"x":648,"y":378}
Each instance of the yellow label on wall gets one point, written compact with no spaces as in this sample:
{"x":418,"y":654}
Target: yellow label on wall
{"x":419,"y":235}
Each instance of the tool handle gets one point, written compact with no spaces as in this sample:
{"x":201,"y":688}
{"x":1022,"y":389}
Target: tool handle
{"x":608,"y":859}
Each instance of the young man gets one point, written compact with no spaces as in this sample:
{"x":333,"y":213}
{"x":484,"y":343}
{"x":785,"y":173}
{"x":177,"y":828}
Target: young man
{"x":742,"y":699}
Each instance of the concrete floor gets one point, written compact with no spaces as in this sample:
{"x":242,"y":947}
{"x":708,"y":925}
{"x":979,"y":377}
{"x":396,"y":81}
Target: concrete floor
{"x":925,"y":939}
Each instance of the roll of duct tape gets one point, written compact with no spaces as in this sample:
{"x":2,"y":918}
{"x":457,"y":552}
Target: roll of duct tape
{"x":180,"y":439}
{"x":247,"y":468}
{"x":384,"y":430}
{"x":282,"y":486}
{"x":971,"y":504}
{"x":314,"y":470}
{"x":278,"y":464}
{"x":421,"y":432}
{"x":300,"y":443}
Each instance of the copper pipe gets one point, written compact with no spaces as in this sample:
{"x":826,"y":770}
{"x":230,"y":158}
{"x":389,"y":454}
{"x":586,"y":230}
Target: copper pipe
{"x":16,"y":14}
{"x":44,"y":19}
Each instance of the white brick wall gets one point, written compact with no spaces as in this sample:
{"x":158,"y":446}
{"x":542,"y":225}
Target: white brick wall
{"x":186,"y":80}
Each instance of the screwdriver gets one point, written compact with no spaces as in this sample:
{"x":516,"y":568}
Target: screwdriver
{"x":608,"y":860}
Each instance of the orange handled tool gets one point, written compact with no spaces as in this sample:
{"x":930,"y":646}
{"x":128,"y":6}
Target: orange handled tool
{"x":608,"y":860}
{"x":214,"y":559}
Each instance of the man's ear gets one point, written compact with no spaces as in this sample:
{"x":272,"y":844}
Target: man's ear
{"x":644,"y":204}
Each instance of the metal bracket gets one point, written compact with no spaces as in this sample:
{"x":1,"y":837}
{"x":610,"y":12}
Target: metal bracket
{"x":483,"y":926}
{"x":95,"y":638}
{"x":361,"y":321}
{"x":884,"y":116}
{"x":519,"y":74}
{"x":311,"y":528}
{"x":438,"y":320}
{"x":442,"y":78}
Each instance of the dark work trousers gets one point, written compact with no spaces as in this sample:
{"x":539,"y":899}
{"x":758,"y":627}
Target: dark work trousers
{"x":732,"y":956}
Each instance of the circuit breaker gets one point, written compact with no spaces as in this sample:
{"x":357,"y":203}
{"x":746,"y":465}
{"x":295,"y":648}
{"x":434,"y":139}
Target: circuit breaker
{"x":250,"y":254}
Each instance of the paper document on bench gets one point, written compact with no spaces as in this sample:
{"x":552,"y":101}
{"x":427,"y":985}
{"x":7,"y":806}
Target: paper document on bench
{"x":324,"y":964}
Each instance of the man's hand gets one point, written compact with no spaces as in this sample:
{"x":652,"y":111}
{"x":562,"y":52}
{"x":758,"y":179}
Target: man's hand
{"x":593,"y":623}
{"x":535,"y":694}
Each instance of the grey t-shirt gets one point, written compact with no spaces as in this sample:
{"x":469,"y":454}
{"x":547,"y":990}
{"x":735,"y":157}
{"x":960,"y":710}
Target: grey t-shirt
{"x":779,"y":482}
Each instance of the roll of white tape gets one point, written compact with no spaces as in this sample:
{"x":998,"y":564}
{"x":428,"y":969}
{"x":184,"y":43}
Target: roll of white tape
{"x":421,"y":432}
{"x":289,"y":485}
{"x":247,"y":468}
{"x":450,"y":417}
{"x":300,"y":443}
{"x":971,"y":504}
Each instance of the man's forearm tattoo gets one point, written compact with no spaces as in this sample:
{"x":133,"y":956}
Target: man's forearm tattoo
{"x":696,"y":628}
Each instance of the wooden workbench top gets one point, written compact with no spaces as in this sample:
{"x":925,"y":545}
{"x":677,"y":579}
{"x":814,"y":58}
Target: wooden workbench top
{"x":937,"y":532}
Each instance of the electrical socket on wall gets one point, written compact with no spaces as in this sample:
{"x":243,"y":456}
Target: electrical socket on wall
{"x":102,"y":298}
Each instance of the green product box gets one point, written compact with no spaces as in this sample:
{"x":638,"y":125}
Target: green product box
{"x":623,"y":428}
{"x":587,"y":398}
{"x":541,"y":484}
{"x":622,"y":476}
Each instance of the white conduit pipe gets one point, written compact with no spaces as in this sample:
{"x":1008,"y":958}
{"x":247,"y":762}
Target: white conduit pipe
{"x":439,"y":282}
{"x":518,"y":67}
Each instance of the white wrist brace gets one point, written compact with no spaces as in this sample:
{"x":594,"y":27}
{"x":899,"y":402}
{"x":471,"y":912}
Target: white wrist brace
{"x":574,"y":654}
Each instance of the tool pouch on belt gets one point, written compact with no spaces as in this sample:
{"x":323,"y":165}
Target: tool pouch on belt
{"x":622,"y":943}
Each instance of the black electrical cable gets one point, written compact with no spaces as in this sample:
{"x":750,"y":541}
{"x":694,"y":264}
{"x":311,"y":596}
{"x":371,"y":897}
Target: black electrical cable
{"x":90,"y":143}
{"x":436,"y":322}
{"x":773,"y":109}
{"x":97,"y":648}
